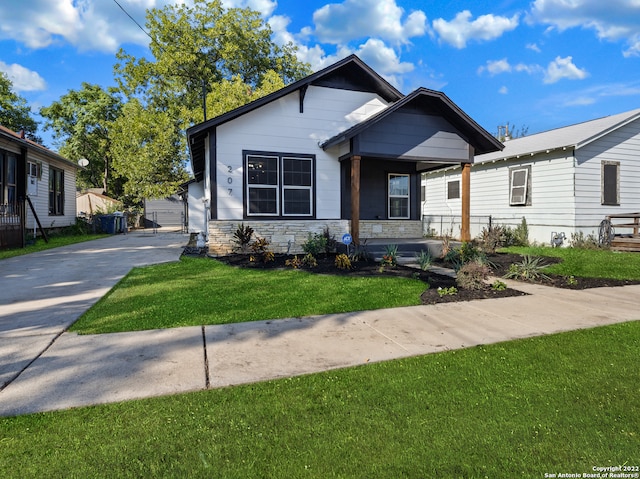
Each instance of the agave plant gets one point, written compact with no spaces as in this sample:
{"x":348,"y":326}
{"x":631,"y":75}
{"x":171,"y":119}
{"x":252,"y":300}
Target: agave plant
{"x":529,"y":269}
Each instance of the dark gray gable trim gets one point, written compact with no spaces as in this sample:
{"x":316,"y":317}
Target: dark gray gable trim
{"x":476,"y":136}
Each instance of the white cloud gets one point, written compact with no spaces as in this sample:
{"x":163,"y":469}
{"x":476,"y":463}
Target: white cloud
{"x":459,"y":31}
{"x":612,"y":20}
{"x":562,"y":68}
{"x":339,"y":23}
{"x":265,"y":7}
{"x":534,"y":47}
{"x":495,"y":67}
{"x":22,"y":78}
{"x":503,"y":90}
{"x":85,"y":24}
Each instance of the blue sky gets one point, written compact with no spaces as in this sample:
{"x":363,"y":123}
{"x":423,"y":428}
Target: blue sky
{"x":537,"y":64}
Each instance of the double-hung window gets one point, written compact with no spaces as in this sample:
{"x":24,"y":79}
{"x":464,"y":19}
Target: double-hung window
{"x":519,"y":186}
{"x":56,"y":191}
{"x":398,"y":196}
{"x":279,"y":185}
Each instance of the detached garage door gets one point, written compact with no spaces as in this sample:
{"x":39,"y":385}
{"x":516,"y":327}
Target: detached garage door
{"x":168,"y":212}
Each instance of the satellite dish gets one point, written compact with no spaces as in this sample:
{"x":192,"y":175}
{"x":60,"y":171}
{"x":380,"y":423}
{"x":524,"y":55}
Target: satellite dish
{"x":83,"y":162}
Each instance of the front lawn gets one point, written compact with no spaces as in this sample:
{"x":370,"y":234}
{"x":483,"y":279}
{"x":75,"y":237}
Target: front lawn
{"x":556,"y":404}
{"x":588,"y":263}
{"x":196,"y":291}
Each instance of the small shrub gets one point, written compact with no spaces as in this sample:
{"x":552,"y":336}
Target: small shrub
{"x":492,"y":238}
{"x":261,"y":247}
{"x":294,"y":262}
{"x":343,"y":262}
{"x":465,"y":253}
{"x":472,"y":275}
{"x":331,"y":242}
{"x":424,"y":259}
{"x":309,"y":260}
{"x":446,"y":244}
{"x":360,"y":252}
{"x":242,"y":238}
{"x":450,"y":291}
{"x":390,"y":257}
{"x":579,"y":240}
{"x":521,"y":233}
{"x":572,"y":281}
{"x":530,"y":269}
{"x":315,"y":244}
{"x":498,"y":285}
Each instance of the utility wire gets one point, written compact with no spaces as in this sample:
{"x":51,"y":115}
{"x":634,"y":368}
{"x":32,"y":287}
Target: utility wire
{"x":133,"y":20}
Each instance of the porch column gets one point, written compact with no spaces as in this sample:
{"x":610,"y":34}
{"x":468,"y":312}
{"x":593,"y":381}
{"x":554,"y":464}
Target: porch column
{"x":465,"y":233}
{"x":355,"y":199}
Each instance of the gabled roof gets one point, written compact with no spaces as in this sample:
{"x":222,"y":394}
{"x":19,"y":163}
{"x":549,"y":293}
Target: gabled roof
{"x":573,"y":136}
{"x":433,"y":102}
{"x":350,"y":73}
{"x":27,"y":143}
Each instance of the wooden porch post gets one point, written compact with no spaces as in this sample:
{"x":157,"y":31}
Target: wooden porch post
{"x":355,"y":199}
{"x":465,"y":233}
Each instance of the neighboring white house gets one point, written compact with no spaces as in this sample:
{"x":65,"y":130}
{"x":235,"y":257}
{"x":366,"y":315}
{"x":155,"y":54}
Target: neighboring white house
{"x":341,"y":148}
{"x":562,"y":181}
{"x":28,"y":169}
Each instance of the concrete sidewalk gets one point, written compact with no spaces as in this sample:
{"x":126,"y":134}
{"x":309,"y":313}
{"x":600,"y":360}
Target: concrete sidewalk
{"x":95,"y":369}
{"x":42,"y":294}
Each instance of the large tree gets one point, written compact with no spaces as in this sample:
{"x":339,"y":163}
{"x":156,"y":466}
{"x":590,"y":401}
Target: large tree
{"x":15,"y":113}
{"x":194,"y":48}
{"x":146,"y":150}
{"x":80,"y":121}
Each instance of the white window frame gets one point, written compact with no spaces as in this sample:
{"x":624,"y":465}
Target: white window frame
{"x":308,"y":188}
{"x":391,"y":196}
{"x":518,"y":200}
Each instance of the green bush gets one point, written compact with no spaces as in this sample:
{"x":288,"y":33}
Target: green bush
{"x":315,"y":244}
{"x":424,"y":259}
{"x":242,"y":238}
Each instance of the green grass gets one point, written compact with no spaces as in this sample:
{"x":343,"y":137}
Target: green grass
{"x":587,"y":263}
{"x":54,"y":242}
{"x":516,"y":409}
{"x":197,"y":291}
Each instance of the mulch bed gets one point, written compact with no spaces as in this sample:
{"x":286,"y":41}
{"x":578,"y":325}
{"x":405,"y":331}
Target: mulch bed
{"x":500,"y":265}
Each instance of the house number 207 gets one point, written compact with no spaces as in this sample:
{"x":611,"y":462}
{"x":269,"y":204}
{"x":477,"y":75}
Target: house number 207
{"x":229,"y":179}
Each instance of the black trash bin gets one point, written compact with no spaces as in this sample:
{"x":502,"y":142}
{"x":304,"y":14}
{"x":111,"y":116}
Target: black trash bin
{"x":108,"y":224}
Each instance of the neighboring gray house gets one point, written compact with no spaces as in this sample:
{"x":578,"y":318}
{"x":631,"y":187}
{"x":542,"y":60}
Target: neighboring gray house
{"x":562,"y":181}
{"x":169,"y":212}
{"x":341,"y":148}
{"x":28,"y":169}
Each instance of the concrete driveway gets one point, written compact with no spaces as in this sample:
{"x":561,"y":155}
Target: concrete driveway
{"x":42,"y":294}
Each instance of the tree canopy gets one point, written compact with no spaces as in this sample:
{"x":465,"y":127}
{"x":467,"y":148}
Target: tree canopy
{"x":15,"y":114}
{"x":200,"y":55}
{"x":81,"y":121}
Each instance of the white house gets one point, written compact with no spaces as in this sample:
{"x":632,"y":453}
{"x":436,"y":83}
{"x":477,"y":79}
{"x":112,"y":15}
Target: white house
{"x":562,"y":181}
{"x":341,"y":148}
{"x":48,"y":180}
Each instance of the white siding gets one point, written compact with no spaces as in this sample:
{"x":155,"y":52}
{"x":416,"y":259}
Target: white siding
{"x":280,"y":127}
{"x":41,"y":201}
{"x":552,"y":198}
{"x":623,"y":146}
{"x":197,"y":222}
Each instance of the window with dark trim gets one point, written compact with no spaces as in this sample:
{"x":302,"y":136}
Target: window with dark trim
{"x":610,"y":179}
{"x":453,"y":190}
{"x":279,"y":185}
{"x":520,"y":186}
{"x":398,"y":196}
{"x":56,"y":192}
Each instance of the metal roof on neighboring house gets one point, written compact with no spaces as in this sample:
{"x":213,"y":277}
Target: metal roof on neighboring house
{"x":573,"y":136}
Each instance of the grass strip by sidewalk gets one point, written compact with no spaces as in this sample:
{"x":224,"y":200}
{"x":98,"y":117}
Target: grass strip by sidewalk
{"x":588,"y":263}
{"x":557,"y":404}
{"x":197,"y":291}
{"x":54,"y":242}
